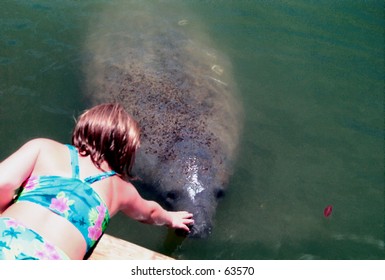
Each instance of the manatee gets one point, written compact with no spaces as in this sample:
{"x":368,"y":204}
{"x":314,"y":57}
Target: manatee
{"x":181,"y":91}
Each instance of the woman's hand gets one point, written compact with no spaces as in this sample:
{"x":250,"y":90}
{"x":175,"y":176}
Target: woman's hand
{"x":181,"y":220}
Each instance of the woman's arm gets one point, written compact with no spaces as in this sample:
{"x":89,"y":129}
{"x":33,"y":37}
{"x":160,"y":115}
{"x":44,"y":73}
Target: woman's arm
{"x":150,"y":212}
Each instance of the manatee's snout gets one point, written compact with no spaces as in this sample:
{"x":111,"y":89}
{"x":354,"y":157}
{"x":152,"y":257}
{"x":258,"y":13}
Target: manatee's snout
{"x":203,"y":220}
{"x":191,"y":185}
{"x":202,"y":206}
{"x":201,"y":229}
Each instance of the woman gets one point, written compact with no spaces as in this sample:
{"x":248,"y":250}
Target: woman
{"x":69,"y":192}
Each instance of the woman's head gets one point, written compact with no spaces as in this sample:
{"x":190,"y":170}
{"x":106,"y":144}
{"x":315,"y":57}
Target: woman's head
{"x":108,"y":133}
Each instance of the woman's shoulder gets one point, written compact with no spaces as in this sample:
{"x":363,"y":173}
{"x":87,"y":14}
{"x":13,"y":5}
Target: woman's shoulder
{"x":122,"y":183}
{"x":43,"y":144}
{"x":125,"y":188}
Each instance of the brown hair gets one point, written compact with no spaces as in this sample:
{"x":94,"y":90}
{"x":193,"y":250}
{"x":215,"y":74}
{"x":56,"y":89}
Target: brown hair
{"x":108,"y":133}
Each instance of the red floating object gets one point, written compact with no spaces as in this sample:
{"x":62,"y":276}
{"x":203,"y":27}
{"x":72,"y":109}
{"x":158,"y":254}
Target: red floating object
{"x":328,"y":210}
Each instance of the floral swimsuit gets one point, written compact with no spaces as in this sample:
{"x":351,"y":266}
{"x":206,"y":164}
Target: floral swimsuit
{"x":17,"y":242}
{"x":72,"y":198}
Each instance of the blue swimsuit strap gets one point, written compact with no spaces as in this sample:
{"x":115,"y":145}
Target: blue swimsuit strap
{"x":98,"y":177}
{"x":74,"y":161}
{"x":75,"y":168}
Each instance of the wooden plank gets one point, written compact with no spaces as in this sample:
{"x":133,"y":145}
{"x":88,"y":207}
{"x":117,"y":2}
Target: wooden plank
{"x":112,"y":248}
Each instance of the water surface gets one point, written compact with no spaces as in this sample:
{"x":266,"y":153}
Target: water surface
{"x":311,"y":77}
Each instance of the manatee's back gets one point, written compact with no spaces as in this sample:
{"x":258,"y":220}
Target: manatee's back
{"x":176,"y":87}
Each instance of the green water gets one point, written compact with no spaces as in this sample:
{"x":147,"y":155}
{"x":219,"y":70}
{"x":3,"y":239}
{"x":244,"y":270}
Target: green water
{"x":311,"y":77}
